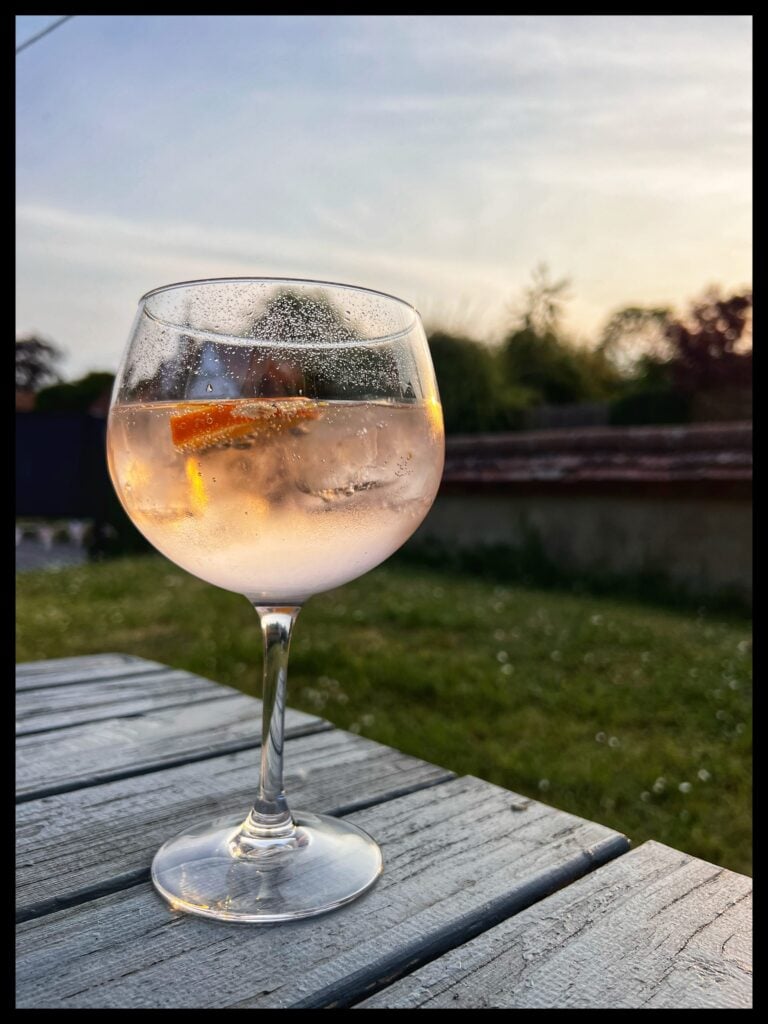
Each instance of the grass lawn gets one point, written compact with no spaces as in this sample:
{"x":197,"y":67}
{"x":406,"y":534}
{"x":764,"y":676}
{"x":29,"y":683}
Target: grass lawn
{"x":634,"y":716}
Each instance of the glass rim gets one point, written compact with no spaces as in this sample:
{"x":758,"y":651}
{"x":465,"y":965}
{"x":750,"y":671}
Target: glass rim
{"x":288,"y":281}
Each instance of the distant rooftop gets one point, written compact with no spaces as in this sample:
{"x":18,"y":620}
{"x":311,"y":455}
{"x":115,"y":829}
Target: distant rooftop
{"x":714,"y":458}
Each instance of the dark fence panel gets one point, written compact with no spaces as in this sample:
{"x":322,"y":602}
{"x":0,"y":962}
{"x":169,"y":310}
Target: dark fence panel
{"x":61,"y":466}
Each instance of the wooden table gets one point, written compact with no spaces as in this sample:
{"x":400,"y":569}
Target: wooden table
{"x":488,"y":899}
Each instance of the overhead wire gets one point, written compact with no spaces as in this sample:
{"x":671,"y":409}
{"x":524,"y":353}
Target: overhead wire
{"x":44,"y":32}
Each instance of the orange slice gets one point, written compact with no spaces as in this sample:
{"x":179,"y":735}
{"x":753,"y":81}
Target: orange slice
{"x":213,"y":423}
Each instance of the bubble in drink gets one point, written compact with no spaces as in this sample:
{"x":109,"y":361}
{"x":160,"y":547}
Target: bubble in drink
{"x":280,"y":498}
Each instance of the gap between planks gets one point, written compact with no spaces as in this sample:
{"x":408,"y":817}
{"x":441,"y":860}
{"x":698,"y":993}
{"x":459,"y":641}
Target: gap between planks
{"x":140,"y":875}
{"x":458,"y":860}
{"x":52,"y":708}
{"x":227,"y":747}
{"x":33,"y":675}
{"x":350,"y":992}
{"x":135,"y":673}
{"x":330,"y":765}
{"x":655,"y":929}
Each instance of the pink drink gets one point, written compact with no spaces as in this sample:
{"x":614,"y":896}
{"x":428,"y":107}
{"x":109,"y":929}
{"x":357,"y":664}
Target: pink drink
{"x":278,"y":498}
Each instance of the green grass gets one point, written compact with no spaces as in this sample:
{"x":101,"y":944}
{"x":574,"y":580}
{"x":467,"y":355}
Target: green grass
{"x":599,"y":706}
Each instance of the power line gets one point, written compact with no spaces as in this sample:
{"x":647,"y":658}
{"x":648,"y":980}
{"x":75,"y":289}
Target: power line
{"x":43,"y":33}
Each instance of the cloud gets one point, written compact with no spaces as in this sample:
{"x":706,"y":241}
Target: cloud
{"x":103,"y":264}
{"x":436,"y":157}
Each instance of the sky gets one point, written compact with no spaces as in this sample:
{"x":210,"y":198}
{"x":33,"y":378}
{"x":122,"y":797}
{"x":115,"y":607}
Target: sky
{"x":440,"y":158}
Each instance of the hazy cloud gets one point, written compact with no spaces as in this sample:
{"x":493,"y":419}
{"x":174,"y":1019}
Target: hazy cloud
{"x":437,"y":157}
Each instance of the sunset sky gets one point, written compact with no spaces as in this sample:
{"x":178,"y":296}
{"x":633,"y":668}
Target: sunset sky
{"x":437,"y":157}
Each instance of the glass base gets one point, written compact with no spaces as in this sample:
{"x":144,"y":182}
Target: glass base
{"x":221,"y":870}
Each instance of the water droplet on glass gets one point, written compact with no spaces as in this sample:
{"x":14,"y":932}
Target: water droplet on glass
{"x":209,"y":387}
{"x":543,"y":785}
{"x":685,"y":787}
{"x":703,"y":774}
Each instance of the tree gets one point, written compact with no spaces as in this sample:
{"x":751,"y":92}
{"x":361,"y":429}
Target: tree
{"x":75,"y":395}
{"x":536,"y":356}
{"x":473,"y":392}
{"x":634,"y":335}
{"x":36,"y":361}
{"x":465,"y":378}
{"x":700,"y":356}
{"x":712,"y":345}
{"x":542,"y":307}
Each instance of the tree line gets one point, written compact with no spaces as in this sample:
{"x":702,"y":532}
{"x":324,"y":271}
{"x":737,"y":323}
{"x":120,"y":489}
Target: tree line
{"x":648,"y":365}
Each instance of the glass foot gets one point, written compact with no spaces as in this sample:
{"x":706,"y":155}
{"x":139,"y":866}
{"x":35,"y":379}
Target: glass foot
{"x":218,"y":870}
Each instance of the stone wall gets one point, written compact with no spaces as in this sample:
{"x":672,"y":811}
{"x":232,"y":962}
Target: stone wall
{"x":673,"y":501}
{"x":703,"y":544}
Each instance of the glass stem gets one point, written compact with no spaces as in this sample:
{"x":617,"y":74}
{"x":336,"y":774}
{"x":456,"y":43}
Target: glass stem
{"x":270,"y":817}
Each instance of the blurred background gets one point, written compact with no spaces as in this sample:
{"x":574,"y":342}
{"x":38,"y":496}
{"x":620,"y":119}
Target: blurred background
{"x":567,"y":201}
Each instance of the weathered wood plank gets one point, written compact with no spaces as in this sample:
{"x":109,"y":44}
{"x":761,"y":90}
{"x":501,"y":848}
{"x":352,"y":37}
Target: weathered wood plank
{"x":655,"y":928}
{"x":60,"y":707}
{"x":85,"y":755}
{"x":458,"y":858}
{"x":103,"y":838}
{"x":31,"y":675}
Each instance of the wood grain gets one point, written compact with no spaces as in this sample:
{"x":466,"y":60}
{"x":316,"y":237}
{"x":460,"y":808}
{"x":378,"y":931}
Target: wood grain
{"x":32,"y":675}
{"x":86,"y":755}
{"x":458,"y":858}
{"x":60,"y":707}
{"x":655,"y":928}
{"x":78,"y":845}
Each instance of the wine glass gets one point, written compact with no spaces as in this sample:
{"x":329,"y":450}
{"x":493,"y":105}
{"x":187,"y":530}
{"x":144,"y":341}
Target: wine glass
{"x":276,"y":438}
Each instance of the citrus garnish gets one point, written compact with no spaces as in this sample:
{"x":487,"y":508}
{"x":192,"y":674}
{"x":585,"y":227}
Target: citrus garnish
{"x":434,"y":415}
{"x":198,"y":496}
{"x":211,"y":424}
